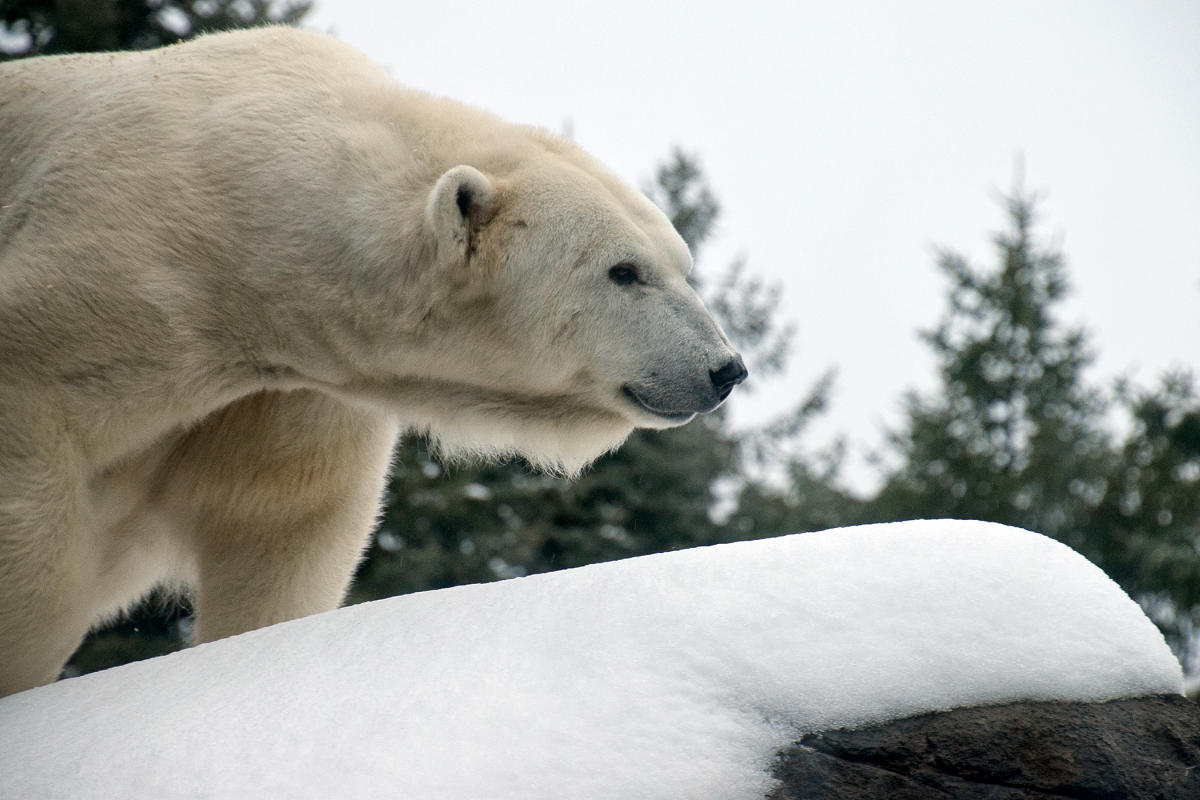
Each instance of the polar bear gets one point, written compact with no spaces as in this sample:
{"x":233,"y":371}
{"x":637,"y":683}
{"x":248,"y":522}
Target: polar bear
{"x":233,"y":271}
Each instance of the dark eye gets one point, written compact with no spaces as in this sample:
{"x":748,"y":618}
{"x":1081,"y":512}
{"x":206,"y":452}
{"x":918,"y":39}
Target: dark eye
{"x":624,"y":274}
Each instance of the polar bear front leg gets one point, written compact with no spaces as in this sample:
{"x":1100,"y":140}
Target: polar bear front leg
{"x":48,"y":564}
{"x":280,"y":492}
{"x":263,"y":571}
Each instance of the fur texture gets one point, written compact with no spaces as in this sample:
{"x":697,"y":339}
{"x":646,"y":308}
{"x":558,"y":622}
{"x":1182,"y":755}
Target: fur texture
{"x":232,"y":271}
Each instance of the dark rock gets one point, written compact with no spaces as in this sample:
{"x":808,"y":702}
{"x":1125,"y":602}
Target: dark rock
{"x":1145,"y":748}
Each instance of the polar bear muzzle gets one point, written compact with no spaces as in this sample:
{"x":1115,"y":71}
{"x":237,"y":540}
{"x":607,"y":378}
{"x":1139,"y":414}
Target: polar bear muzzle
{"x":677,"y":403}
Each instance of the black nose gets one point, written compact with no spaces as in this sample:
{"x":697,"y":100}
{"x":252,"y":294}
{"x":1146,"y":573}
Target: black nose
{"x":728,"y":376}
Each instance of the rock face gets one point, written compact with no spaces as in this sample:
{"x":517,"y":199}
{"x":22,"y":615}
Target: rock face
{"x":1145,"y":748}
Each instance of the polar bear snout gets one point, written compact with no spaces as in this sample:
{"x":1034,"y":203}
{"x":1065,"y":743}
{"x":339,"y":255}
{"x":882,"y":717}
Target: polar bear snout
{"x":673,"y":399}
{"x":728,"y":376}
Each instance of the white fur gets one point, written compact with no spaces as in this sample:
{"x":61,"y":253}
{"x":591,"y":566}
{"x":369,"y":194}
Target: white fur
{"x":233,"y":270}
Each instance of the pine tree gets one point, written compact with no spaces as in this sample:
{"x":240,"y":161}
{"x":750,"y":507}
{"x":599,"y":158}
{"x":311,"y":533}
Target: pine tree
{"x":1145,"y":532}
{"x":1014,"y":434}
{"x":47,"y":27}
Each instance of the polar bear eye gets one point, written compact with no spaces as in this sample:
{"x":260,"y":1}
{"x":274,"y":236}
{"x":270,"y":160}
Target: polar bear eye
{"x":624,"y":274}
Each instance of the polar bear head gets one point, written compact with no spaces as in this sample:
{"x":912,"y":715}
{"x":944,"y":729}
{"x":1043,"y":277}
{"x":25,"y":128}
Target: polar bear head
{"x":580,"y":324}
{"x":555,"y":312}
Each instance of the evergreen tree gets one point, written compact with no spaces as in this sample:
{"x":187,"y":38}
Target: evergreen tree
{"x":1146,"y":530}
{"x":46,"y":27}
{"x":809,"y":494}
{"x":1014,"y":434}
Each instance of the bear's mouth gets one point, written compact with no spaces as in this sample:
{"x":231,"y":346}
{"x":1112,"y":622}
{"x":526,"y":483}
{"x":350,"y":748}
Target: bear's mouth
{"x":671,"y":416}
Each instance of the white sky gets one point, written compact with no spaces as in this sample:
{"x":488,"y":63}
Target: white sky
{"x":844,"y":140}
{"x":676,"y":675}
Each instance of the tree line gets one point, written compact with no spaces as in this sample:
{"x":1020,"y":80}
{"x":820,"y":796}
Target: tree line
{"x":1013,"y":432}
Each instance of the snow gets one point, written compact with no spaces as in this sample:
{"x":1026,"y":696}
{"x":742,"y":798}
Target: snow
{"x":669,"y":676}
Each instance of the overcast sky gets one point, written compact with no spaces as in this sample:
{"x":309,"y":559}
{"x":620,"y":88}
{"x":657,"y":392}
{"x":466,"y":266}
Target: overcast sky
{"x":845,"y":140}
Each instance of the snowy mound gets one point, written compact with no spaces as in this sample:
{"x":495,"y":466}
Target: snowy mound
{"x":669,"y":676}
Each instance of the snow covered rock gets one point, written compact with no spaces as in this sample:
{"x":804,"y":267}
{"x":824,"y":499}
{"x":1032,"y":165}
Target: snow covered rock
{"x":1145,"y":747}
{"x":678,"y":675}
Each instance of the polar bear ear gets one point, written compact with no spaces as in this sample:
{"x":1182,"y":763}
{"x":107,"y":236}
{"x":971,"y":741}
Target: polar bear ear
{"x":463,"y":201}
